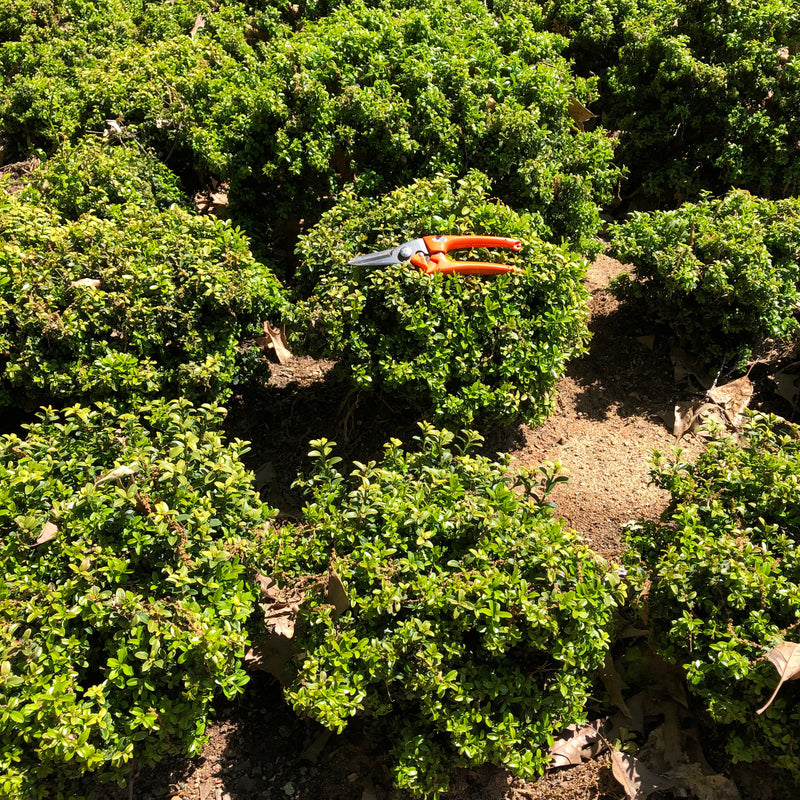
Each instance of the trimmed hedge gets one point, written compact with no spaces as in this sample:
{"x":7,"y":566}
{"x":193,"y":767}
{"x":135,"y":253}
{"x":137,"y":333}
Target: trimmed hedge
{"x":705,"y":95}
{"x":117,"y":634}
{"x":373,"y":95}
{"x":138,"y":304}
{"x":461,"y":349}
{"x":475,"y":617}
{"x":722,"y":273}
{"x":725,"y":581}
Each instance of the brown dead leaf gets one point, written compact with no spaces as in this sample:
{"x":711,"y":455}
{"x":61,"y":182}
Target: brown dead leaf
{"x":663,"y":749}
{"x":269,"y":589}
{"x":280,"y":606}
{"x":206,"y":789}
{"x":579,"y":113}
{"x":636,"y":779}
{"x":199,"y":22}
{"x":733,"y":398}
{"x":685,"y":366}
{"x":614,"y":684}
{"x":280,"y":620}
{"x":271,"y":655}
{"x":672,"y":736}
{"x":313,"y":751}
{"x":369,"y":790}
{"x":584,"y":743}
{"x":118,"y":473}
{"x":91,"y":283}
{"x":690,"y":415}
{"x":647,"y":341}
{"x":275,"y":339}
{"x":335,"y":594}
{"x":785,"y":657}
{"x":48,"y":533}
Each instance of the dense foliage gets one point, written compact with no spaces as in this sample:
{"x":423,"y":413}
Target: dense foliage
{"x":705,"y":95}
{"x":476,"y":618}
{"x":137,"y":302}
{"x":722,"y":274}
{"x":125,"y":621}
{"x":378,"y":95}
{"x":725,"y":575}
{"x":458,"y":348}
{"x":94,"y":177}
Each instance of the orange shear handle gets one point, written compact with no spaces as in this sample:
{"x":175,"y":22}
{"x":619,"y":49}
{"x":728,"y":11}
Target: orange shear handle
{"x":438,"y":246}
{"x":444,"y":244}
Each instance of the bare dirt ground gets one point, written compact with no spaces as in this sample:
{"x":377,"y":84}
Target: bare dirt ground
{"x":614,"y":408}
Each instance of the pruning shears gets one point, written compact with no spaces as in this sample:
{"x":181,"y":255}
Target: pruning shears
{"x":429,"y":253}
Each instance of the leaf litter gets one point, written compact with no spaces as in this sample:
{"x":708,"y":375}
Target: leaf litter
{"x":785,"y":657}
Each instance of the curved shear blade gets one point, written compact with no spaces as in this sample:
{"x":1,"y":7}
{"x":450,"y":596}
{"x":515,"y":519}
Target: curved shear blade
{"x":395,"y":255}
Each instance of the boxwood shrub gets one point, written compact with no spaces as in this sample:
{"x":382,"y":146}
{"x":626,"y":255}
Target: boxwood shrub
{"x":721,"y":273}
{"x":725,"y":581}
{"x":141,"y":303}
{"x":706,"y":95}
{"x":120,"y":627}
{"x":476,"y":618}
{"x":462,"y":349}
{"x":101,"y":178}
{"x":377,"y":93}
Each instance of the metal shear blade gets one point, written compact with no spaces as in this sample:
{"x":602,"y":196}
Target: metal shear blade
{"x":394,"y":255}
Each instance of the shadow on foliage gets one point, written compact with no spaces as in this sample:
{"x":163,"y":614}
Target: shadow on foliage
{"x":308,"y":399}
{"x":259,"y":749}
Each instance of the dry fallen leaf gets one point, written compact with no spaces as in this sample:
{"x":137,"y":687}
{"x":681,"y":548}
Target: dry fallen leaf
{"x":207,"y":789}
{"x":785,"y":657}
{"x":723,"y":403}
{"x":581,"y":746}
{"x":632,"y":721}
{"x":369,"y":790}
{"x":49,"y":531}
{"x":313,"y":751}
{"x":636,"y":779}
{"x":271,"y":655}
{"x":335,"y":594}
{"x":614,"y":684}
{"x":690,"y":415}
{"x":733,"y":397}
{"x":269,"y":589}
{"x":684,"y":366}
{"x":280,"y":606}
{"x":91,"y":283}
{"x":119,"y":473}
{"x":275,"y":339}
{"x":703,"y":786}
{"x":199,"y":22}
{"x":579,"y":113}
